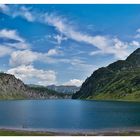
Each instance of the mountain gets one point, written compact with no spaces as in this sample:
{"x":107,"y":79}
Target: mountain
{"x":118,"y":81}
{"x":13,"y":88}
{"x":64,"y":89}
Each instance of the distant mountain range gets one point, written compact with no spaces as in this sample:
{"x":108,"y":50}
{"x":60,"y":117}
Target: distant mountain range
{"x":64,"y":89}
{"x":118,"y":81}
{"x":13,"y":88}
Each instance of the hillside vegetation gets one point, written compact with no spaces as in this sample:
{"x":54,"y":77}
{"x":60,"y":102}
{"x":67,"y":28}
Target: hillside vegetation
{"x":118,"y":81}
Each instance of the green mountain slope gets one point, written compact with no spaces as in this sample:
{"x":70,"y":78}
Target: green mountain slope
{"x":118,"y":81}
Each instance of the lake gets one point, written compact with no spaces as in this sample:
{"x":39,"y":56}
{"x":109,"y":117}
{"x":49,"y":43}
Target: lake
{"x":68,"y":115}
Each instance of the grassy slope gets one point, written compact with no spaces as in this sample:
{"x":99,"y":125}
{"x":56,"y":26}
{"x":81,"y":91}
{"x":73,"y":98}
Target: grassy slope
{"x":15,"y":97}
{"x":24,"y":133}
{"x":124,"y":86}
{"x":118,"y":81}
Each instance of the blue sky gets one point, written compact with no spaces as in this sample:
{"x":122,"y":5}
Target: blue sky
{"x":63,"y":44}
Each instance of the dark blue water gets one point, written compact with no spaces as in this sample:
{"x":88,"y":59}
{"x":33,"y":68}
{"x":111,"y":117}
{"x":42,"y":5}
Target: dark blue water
{"x":69,"y":114}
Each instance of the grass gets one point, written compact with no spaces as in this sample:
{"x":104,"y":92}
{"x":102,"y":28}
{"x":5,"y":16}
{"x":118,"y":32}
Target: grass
{"x":135,"y":97}
{"x":4,"y":132}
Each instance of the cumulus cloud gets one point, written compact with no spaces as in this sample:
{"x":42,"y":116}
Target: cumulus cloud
{"x":27,"y":57}
{"x":74,"y":82}
{"x":31,"y":74}
{"x":24,"y":57}
{"x":120,"y":49}
{"x":52,"y":52}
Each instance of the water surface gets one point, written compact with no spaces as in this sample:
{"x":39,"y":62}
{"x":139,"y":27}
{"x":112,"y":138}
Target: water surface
{"x":69,"y":114}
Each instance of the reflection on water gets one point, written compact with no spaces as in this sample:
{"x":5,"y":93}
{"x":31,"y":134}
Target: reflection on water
{"x":68,"y":114}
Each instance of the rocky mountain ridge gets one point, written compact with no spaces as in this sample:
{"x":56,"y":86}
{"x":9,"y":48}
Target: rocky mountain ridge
{"x":64,"y":89}
{"x":13,"y":88}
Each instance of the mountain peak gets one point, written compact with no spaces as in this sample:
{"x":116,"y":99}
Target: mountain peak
{"x":136,"y":52}
{"x":134,"y":58}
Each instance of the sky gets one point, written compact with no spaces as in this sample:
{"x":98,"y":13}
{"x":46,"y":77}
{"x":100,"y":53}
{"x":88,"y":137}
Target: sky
{"x":63,"y":44}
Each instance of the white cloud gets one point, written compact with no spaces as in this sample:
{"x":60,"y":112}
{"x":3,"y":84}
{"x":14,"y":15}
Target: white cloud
{"x":8,"y":48}
{"x":138,"y":30}
{"x":11,"y":34}
{"x":74,"y":82}
{"x":120,"y":49}
{"x":119,"y":44}
{"x":96,"y":52}
{"x":19,"y":45}
{"x":137,"y":34}
{"x":25,"y":13}
{"x":5,"y":50}
{"x":18,"y":11}
{"x":24,"y":57}
{"x":59,"y":38}
{"x":135,"y":43}
{"x":116,"y":47}
{"x":27,"y":57}
{"x":106,"y":45}
{"x":29,"y":73}
{"x":52,"y":52}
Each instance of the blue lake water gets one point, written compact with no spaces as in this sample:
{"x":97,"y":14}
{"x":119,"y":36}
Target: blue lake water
{"x":69,"y":114}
